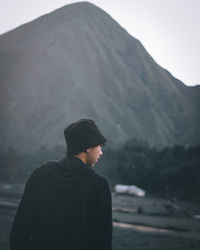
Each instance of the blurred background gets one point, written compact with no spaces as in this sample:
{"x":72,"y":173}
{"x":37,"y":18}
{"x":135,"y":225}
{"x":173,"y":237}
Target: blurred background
{"x":115,"y":63}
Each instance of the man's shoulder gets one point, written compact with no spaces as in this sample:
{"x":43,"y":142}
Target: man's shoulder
{"x":38,"y":170}
{"x":100,"y":180}
{"x":49,"y":163}
{"x":99,"y":177}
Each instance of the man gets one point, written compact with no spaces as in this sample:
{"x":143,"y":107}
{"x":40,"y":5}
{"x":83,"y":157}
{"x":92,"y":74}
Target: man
{"x":66,"y":205}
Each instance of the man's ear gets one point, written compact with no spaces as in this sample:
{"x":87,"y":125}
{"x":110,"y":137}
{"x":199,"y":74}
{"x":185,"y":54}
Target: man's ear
{"x":88,"y":150}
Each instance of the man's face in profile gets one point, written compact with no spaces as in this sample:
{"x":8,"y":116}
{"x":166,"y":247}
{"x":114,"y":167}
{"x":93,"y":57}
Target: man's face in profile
{"x":93,"y":154}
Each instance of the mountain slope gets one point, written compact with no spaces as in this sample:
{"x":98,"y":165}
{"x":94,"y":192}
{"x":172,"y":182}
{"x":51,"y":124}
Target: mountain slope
{"x":78,"y":62}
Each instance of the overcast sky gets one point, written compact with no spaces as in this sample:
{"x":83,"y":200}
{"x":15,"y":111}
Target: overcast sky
{"x":168,"y":29}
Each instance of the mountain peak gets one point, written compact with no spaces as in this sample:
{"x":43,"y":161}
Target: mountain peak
{"x":78,"y":62}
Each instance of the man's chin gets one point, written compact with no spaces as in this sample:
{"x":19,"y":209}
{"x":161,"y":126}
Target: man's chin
{"x":92,"y":164}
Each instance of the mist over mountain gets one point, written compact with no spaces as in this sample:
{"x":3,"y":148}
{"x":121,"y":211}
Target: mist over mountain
{"x":77,"y":62}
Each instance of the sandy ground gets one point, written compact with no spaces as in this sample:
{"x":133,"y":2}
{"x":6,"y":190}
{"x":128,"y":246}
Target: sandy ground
{"x":124,"y":239}
{"x":139,"y":223}
{"x":152,"y":223}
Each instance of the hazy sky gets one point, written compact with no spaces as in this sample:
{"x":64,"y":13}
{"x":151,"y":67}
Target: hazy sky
{"x":168,"y":29}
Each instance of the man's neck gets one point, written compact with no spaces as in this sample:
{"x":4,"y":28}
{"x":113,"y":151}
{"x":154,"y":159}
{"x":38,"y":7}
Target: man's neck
{"x":82,"y":157}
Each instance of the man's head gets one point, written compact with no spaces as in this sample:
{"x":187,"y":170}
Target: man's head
{"x":85,"y":137}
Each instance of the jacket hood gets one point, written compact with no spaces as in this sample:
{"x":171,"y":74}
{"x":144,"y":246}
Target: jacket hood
{"x":67,"y":173}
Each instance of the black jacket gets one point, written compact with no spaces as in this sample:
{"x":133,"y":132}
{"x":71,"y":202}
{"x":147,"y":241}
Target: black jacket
{"x":65,"y":206}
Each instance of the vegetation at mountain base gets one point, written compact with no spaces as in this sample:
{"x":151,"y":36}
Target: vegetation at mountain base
{"x":170,"y":171}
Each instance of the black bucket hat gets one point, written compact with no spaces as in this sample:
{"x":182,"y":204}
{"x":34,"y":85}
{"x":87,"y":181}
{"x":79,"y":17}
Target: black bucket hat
{"x":82,"y":135}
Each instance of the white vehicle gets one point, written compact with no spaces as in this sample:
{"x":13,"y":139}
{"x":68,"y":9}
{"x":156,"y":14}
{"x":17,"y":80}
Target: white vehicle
{"x":125,"y":189}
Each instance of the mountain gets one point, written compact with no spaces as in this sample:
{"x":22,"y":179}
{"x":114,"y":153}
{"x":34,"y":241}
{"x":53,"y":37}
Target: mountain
{"x":77,"y":62}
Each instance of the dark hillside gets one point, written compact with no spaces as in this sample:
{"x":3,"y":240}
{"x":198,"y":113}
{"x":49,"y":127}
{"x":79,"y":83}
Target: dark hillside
{"x":78,"y":62}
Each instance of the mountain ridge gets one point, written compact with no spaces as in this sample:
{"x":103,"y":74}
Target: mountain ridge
{"x":79,"y":52}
